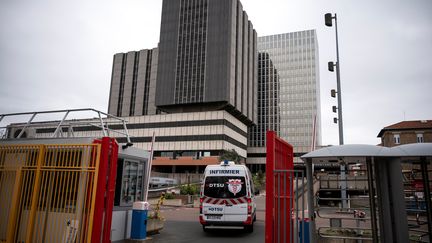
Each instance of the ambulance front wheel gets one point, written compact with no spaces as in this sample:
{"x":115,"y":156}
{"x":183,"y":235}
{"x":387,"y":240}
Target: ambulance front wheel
{"x":204,"y":228}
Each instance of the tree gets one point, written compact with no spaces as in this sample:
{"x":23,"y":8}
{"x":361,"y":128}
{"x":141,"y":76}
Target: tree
{"x":230,"y":155}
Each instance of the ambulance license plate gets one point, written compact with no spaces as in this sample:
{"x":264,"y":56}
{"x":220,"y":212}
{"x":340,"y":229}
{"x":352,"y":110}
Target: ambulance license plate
{"x":212,"y":216}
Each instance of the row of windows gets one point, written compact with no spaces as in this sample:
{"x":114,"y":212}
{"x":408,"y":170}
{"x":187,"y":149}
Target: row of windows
{"x":121,"y":89}
{"x":287,"y":52}
{"x":190,"y":71}
{"x":285,"y":36}
{"x":294,"y":36}
{"x":289,"y":95}
{"x":290,"y":62}
{"x":397,"y":140}
{"x":268,"y":100}
{"x":147,"y":83}
{"x":184,"y":138}
{"x":294,"y":47}
{"x":134,"y":84}
{"x":135,"y":94}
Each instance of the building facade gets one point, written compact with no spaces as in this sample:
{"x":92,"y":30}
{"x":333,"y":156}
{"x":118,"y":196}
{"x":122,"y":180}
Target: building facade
{"x":405,"y":132}
{"x":291,"y":61}
{"x":133,"y":83}
{"x":268,"y":101}
{"x":184,"y":142}
{"x":207,"y":58}
{"x":205,"y":63}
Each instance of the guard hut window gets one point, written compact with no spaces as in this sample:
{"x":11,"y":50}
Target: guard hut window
{"x":129,"y":182}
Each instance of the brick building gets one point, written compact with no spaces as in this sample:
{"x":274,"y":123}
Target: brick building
{"x":419,"y":131}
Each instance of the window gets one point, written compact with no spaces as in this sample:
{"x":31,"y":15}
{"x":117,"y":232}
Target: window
{"x":420,"y":138}
{"x":219,"y":187}
{"x":129,"y":182}
{"x":396,"y":138}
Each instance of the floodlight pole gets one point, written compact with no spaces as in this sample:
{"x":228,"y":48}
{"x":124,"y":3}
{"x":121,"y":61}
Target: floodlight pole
{"x":343,"y":184}
{"x":340,"y":121}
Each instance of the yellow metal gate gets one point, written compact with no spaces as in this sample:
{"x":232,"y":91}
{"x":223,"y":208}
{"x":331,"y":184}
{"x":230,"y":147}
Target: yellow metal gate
{"x":47,"y":192}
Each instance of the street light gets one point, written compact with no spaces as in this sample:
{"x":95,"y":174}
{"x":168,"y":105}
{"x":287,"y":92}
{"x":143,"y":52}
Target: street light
{"x":328,"y":19}
{"x":343,"y":184}
{"x":333,"y":93}
{"x":331,"y":65}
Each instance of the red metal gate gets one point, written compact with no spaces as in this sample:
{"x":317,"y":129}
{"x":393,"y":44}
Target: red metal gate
{"x":279,"y":189}
{"x":105,"y":190}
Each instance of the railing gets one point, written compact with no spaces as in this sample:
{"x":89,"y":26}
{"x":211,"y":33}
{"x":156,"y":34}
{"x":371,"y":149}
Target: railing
{"x":352,"y":223}
{"x":182,"y":178}
{"x":359,"y":227}
{"x":63,"y":127}
{"x":355,"y":180}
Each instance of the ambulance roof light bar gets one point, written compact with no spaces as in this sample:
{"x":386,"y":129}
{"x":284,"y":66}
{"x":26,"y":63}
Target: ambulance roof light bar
{"x":226,"y":163}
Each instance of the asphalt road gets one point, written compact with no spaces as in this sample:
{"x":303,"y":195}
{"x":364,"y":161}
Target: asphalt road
{"x":182,"y":225}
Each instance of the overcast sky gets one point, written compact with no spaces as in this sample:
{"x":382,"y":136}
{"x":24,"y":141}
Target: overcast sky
{"x":57,"y":54}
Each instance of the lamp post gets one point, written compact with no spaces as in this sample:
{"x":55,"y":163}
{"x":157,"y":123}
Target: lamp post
{"x":329,"y":22}
{"x":343,"y":184}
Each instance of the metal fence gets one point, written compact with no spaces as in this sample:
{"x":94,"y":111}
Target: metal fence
{"x":290,"y":205}
{"x":48,"y":192}
{"x":352,"y":222}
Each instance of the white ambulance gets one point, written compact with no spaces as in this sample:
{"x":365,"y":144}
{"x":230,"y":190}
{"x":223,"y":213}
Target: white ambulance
{"x":227,"y":196}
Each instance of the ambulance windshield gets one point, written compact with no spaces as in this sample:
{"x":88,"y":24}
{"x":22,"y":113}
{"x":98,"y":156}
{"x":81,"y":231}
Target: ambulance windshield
{"x":225,"y":186}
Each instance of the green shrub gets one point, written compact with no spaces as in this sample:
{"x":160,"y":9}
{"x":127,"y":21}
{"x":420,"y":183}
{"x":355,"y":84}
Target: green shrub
{"x":169,"y":196}
{"x":189,"y":189}
{"x":259,"y":180}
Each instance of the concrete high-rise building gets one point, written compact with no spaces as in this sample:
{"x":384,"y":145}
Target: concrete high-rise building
{"x":268,"y":101}
{"x":197,"y":91}
{"x":133,"y":83}
{"x":291,"y":60}
{"x":207,"y":58}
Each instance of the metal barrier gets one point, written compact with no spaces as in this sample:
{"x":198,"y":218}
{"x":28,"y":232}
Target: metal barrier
{"x":351,"y":223}
{"x":48,"y":192}
{"x":354,"y":179}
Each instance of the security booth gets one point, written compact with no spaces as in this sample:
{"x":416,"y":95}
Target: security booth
{"x":132,"y":166}
{"x":64,"y":181}
{"x":387,"y":215}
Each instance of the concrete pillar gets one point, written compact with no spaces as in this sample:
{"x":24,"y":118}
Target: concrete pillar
{"x":391,"y":202}
{"x":425,"y":175}
{"x":372,"y":202}
{"x":311,"y":199}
